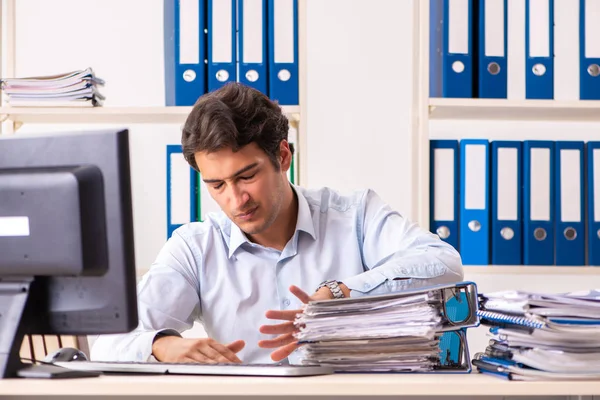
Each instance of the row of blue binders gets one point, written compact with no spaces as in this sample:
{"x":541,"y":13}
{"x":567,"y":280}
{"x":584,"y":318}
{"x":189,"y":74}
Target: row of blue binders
{"x":515,"y":49}
{"x":188,"y":199}
{"x":209,"y":43}
{"x":517,"y":203}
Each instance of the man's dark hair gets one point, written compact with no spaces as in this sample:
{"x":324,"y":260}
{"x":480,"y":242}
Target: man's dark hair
{"x":232,"y":117}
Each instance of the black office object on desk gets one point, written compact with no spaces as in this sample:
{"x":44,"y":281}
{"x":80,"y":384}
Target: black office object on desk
{"x":66,"y":241}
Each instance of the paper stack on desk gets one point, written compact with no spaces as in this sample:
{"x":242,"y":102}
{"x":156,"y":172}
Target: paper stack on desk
{"x":413,"y":331}
{"x":73,"y":89}
{"x":541,"y":336}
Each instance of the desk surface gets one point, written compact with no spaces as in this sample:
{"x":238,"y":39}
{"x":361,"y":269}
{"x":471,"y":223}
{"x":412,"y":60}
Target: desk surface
{"x":341,"y":384}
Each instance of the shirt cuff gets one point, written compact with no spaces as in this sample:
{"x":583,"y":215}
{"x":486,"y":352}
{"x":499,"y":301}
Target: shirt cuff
{"x":365,"y":282}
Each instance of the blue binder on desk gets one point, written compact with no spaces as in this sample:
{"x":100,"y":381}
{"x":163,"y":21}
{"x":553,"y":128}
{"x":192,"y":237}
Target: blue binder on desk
{"x":182,"y":190}
{"x":539,"y":44}
{"x":252,"y":22}
{"x":538,"y":202}
{"x":451,"y":49}
{"x":444,"y":190}
{"x":589,"y":52}
{"x":593,"y":202}
{"x":569,"y":201}
{"x":474,"y":201}
{"x":185,"y":51}
{"x":283,"y":52}
{"x":222,"y":47}
{"x":493,"y":49}
{"x":507,"y":188}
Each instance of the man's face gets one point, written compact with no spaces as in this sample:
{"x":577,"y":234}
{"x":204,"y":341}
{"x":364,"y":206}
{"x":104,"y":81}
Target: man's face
{"x":245,"y":184}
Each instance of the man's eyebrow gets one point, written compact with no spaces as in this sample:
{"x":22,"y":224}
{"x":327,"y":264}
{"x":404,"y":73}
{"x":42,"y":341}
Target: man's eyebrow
{"x":241,"y":171}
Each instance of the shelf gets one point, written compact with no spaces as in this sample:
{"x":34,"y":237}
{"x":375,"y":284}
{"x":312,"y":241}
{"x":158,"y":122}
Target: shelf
{"x":530,"y":270}
{"x":521,"y":110}
{"x":108,"y":115}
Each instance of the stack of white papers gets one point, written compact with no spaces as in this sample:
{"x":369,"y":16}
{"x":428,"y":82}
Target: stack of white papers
{"x":73,"y":89}
{"x":541,"y":336}
{"x":373,"y":334}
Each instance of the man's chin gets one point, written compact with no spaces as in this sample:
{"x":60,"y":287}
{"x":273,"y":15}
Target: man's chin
{"x":250,"y":227}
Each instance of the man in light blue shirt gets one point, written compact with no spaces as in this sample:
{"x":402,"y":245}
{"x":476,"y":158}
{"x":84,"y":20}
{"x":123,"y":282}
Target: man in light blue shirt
{"x":245,"y":272}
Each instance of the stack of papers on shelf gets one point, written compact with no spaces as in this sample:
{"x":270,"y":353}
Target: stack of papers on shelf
{"x":541,"y":336}
{"x":73,"y":89}
{"x":411,"y":331}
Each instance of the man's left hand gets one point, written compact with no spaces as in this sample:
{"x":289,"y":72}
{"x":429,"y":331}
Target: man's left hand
{"x":286,"y":343}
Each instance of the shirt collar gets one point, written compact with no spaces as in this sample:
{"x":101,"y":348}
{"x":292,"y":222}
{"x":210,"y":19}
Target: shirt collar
{"x":303,"y":223}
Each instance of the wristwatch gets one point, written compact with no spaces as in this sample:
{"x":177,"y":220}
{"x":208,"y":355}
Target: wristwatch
{"x":334,"y":286}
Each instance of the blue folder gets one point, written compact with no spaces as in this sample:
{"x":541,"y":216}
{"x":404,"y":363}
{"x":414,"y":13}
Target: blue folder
{"x":569,"y":210}
{"x":593,"y":203}
{"x":538,"y":204}
{"x":474,"y":202}
{"x":493,"y":70}
{"x":451,"y":49}
{"x":283,"y":52}
{"x":539,"y":45}
{"x":507,"y":200}
{"x":185,"y":51}
{"x":444,"y":190}
{"x":177,"y":190}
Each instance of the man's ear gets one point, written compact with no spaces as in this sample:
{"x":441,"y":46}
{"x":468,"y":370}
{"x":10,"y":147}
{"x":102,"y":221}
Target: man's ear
{"x":285,"y":155}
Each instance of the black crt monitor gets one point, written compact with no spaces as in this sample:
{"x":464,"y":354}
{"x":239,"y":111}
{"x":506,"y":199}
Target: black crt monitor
{"x":67,"y":264}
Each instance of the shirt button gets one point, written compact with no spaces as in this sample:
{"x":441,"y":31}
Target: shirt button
{"x":367,"y":286}
{"x":286,"y":302}
{"x":404,"y":271}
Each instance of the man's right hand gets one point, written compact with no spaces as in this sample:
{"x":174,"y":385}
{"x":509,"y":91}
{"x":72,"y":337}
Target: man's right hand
{"x":176,"y":350}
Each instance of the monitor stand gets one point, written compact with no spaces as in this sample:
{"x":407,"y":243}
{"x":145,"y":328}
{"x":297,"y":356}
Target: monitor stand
{"x":17,"y":298}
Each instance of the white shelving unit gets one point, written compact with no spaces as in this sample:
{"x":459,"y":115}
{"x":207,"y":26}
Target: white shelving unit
{"x":107,"y":115}
{"x":428,"y":109}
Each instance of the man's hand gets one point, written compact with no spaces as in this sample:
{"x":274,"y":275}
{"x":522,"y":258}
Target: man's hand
{"x":286,"y":343}
{"x":177,"y":350}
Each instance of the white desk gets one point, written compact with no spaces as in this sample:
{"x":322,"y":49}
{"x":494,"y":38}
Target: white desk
{"x":366,"y":385}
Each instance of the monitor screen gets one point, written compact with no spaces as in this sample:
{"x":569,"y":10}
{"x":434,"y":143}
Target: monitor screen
{"x":66,"y":235}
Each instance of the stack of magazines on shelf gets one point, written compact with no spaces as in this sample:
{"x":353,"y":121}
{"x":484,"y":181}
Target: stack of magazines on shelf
{"x":73,"y":89}
{"x":541,"y":336}
{"x":418,"y":330}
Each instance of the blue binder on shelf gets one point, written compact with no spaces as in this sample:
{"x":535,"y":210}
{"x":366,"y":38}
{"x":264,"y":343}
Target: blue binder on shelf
{"x":222,"y":47}
{"x":185,"y":51}
{"x":252,"y":22}
{"x":493,"y":70}
{"x":589,"y":53}
{"x":444,"y":188}
{"x":569,"y":202}
{"x":515,"y":50}
{"x":451,"y":52}
{"x":283,"y":51}
{"x":566,"y":50}
{"x":474,"y":201}
{"x":507,"y":197}
{"x":539,"y":44}
{"x":182,"y":190}
{"x":538,"y":202}
{"x":593,"y":202}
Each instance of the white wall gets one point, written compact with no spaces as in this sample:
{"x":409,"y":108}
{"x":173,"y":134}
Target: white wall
{"x":359,"y":78}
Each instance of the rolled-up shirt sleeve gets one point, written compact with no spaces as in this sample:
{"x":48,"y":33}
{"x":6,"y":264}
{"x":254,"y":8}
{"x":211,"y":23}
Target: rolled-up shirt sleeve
{"x":168,"y":303}
{"x":397,"y":254}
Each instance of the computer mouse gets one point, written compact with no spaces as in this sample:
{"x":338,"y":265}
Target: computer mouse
{"x":66,"y":354}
